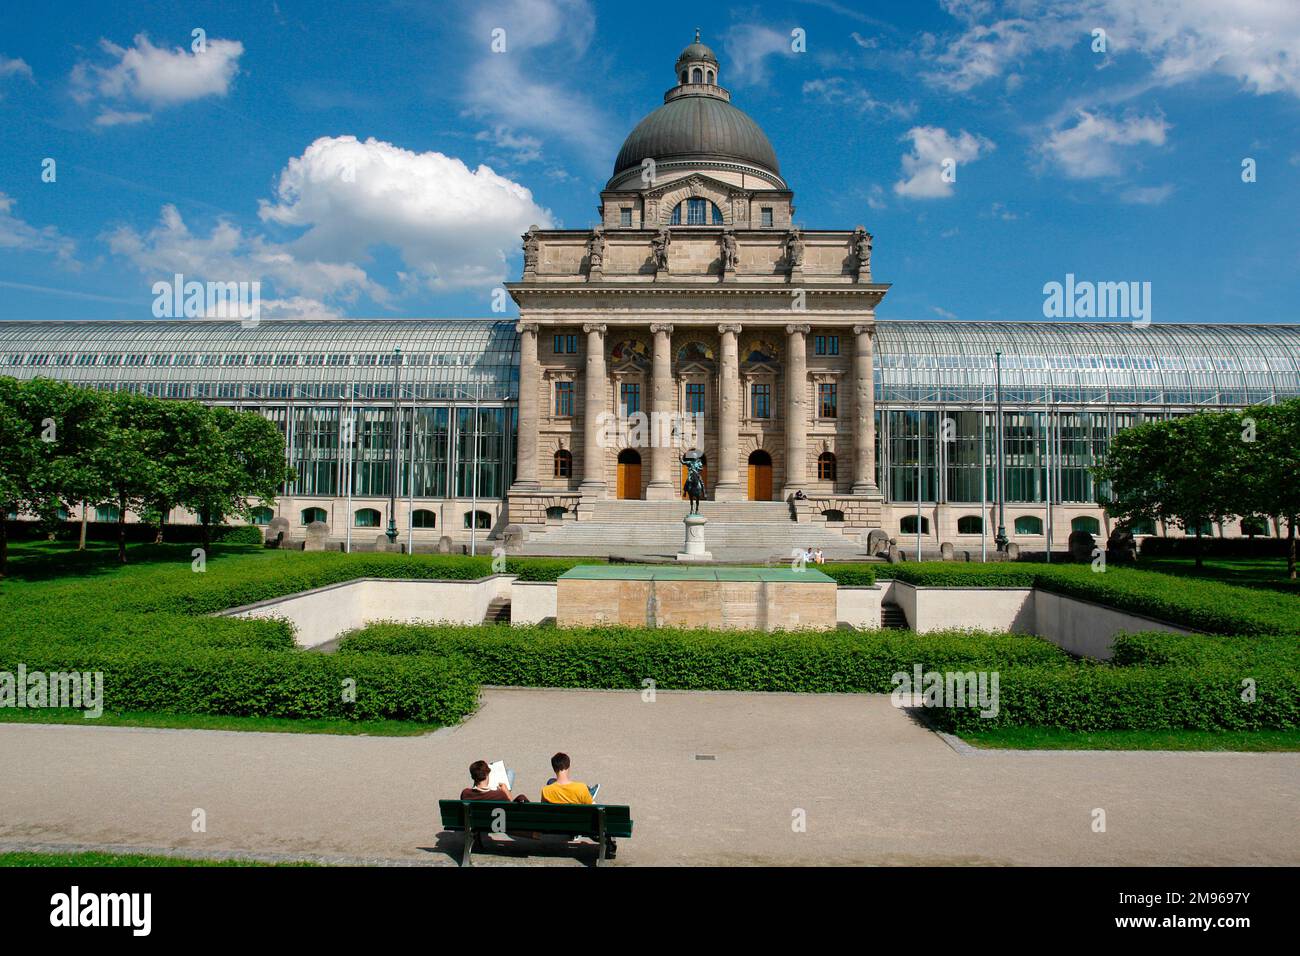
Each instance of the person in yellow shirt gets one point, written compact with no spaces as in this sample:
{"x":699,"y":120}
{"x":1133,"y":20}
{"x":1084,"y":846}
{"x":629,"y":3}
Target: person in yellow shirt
{"x":564,"y":790}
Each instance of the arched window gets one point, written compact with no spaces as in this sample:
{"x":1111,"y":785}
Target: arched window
{"x":825,"y":467}
{"x":262,"y":515}
{"x":481,"y":520}
{"x":696,"y":212}
{"x":106,"y":513}
{"x":908,"y":525}
{"x":833,"y":514}
{"x":1251,"y":527}
{"x":1029,"y":524}
{"x":710,"y":75}
{"x":312,"y":514}
{"x":555,"y":513}
{"x":366,"y":518}
{"x":423,"y":518}
{"x":697,"y":75}
{"x":970,"y":524}
{"x":563,"y":463}
{"x":1086,"y":523}
{"x":683,"y":76}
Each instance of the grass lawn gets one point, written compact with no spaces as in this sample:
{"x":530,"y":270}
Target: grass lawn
{"x":96,"y":859}
{"x":1052,"y":738}
{"x":265,"y":725}
{"x":1267,"y":573}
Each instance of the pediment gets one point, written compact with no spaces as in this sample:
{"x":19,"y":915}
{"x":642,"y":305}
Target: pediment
{"x":697,"y":184}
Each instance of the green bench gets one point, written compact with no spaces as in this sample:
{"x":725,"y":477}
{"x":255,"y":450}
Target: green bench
{"x":475,"y":817}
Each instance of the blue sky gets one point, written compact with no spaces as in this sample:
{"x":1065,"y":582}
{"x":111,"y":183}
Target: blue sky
{"x":380,"y":159}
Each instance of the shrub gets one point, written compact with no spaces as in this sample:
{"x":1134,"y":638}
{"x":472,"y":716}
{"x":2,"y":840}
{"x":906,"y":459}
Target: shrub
{"x":850,"y":575}
{"x":827,"y":661}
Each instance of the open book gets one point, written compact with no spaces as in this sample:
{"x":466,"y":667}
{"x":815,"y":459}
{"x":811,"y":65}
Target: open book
{"x":498,"y":775}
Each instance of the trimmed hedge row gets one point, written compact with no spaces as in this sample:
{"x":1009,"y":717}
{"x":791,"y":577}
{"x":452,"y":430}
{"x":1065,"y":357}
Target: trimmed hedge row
{"x":1157,"y":547}
{"x":248,"y":682}
{"x":1163,"y":649}
{"x":137,"y":532}
{"x":1096,"y":697}
{"x":802,"y":661}
{"x":1211,"y":606}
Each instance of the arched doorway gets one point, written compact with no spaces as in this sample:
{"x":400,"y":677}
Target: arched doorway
{"x":704,"y":475}
{"x":629,"y":473}
{"x":760,"y":476}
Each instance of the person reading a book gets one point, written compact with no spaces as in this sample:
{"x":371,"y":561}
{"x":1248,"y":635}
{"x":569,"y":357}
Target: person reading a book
{"x":562,"y":789}
{"x":485,"y":789}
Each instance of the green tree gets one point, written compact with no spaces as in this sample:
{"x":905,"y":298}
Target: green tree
{"x":1179,"y":470}
{"x":1269,"y":477}
{"x":126,"y":457}
{"x":235,"y":457}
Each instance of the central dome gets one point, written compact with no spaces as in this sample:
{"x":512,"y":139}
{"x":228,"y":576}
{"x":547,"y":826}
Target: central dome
{"x":697,"y":124}
{"x":697,"y":128}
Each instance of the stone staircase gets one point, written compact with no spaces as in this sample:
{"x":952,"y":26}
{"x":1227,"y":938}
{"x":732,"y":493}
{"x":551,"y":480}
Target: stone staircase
{"x":892,"y":616}
{"x":736,"y":530}
{"x":498,"y":611}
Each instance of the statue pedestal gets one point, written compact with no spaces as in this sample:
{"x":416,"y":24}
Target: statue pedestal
{"x":693,"y":549}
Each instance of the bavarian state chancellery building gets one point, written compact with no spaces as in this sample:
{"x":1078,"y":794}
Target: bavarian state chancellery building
{"x":696,"y":304}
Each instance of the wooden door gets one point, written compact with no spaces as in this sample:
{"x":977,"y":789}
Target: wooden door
{"x":629,"y":479}
{"x":760,"y":481}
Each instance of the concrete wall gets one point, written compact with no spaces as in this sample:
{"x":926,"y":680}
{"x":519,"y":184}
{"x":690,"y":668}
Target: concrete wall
{"x":532,"y":602}
{"x":1082,"y":627}
{"x":859,"y":606}
{"x":323,"y":614}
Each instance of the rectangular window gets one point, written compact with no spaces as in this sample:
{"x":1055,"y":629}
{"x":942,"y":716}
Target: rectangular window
{"x":695,"y":398}
{"x":826,"y":400}
{"x":760,"y":401}
{"x":827,"y":345}
{"x":564,"y":399}
{"x":625,"y":217}
{"x":631,"y":398}
{"x":565,"y":344}
{"x":766,"y":214}
{"x":558,"y":345}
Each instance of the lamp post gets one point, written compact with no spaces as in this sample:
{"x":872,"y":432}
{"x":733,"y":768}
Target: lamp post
{"x":395,"y":445}
{"x":1000,"y":539}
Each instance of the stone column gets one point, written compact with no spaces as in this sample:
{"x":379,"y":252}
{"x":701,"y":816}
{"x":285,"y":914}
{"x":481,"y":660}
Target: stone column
{"x":796,"y":409}
{"x":864,"y":410}
{"x":728,"y":486}
{"x":662,"y":453}
{"x":529,"y":422}
{"x":593,"y":414}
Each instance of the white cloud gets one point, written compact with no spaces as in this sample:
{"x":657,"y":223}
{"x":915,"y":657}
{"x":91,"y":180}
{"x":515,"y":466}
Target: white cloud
{"x":837,"y":91}
{"x":1147,"y":195}
{"x":1090,"y":147}
{"x":876,"y":197}
{"x":21,"y":236}
{"x":1256,"y":42}
{"x":748,"y":45}
{"x":943,"y":313}
{"x":155,"y":77}
{"x":518,"y":90}
{"x":14,"y":67}
{"x":935,"y":152}
{"x":453,"y":226}
{"x":120,"y":118}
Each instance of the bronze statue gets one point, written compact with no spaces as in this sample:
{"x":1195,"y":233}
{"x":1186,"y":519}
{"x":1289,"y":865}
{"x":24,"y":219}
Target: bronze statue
{"x":694,"y":488}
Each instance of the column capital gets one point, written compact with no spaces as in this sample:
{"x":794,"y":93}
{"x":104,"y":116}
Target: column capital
{"x":664,"y":327}
{"x":869,"y":329}
{"x":725,"y":328}
{"x":522,"y":327}
{"x":590,"y":327}
{"x":798,"y":329}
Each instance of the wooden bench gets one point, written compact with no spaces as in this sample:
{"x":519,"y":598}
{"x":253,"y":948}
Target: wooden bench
{"x":474,"y":817}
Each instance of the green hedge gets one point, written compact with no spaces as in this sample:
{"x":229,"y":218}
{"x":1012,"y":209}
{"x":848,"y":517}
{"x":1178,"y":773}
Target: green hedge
{"x":248,"y":682}
{"x":850,"y":574}
{"x":1096,"y":697}
{"x":819,"y":662}
{"x":1163,"y":649}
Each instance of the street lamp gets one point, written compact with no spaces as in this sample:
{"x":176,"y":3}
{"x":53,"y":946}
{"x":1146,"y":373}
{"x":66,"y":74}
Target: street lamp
{"x":394,"y":444}
{"x":1000,"y":539}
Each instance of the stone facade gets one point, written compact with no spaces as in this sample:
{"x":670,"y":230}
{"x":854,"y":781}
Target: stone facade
{"x":696,"y":302}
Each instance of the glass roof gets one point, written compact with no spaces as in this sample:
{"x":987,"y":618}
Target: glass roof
{"x":452,"y":358}
{"x":1085,"y":362}
{"x":916,"y":361}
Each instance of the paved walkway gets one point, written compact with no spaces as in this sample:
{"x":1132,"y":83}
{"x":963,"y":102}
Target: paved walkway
{"x":876,"y":788}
